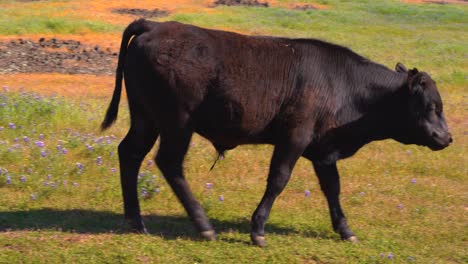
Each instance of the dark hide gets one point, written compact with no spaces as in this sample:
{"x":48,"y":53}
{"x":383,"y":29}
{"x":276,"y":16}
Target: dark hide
{"x":306,"y":97}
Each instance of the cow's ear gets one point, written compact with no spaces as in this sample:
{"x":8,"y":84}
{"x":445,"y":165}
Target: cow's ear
{"x":416,"y":82}
{"x":400,"y":68}
{"x":413,"y":72}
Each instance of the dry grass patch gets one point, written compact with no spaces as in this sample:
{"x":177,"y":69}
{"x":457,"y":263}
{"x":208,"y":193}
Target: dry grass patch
{"x":73,"y":86}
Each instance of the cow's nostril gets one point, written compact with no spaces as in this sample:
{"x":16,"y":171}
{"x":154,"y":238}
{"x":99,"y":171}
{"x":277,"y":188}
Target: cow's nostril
{"x":450,"y":139}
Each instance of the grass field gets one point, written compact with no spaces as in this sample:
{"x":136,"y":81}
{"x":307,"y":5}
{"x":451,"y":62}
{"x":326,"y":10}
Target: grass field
{"x":60,"y":199}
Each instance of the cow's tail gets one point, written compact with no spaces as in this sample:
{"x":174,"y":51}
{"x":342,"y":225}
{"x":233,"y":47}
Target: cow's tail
{"x":136,"y":28}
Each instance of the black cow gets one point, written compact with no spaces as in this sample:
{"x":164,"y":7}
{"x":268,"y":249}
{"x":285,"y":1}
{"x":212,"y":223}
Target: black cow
{"x":306,"y":97}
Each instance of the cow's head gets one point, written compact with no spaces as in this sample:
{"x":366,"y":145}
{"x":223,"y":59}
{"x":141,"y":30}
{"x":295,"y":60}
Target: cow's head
{"x":425,"y":122}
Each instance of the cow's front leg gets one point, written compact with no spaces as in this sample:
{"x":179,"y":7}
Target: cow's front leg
{"x":330,"y":185}
{"x":284,"y":158}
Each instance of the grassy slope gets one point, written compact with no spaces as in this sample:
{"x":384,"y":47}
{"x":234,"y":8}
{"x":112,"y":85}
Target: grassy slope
{"x":83,"y":222}
{"x":47,"y":17}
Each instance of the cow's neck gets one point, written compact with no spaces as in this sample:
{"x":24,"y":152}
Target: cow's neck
{"x":380,"y":104}
{"x":370,"y":112}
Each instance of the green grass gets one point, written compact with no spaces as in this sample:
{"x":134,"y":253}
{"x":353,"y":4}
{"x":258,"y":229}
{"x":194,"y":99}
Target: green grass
{"x":54,"y":220}
{"x":77,"y":212}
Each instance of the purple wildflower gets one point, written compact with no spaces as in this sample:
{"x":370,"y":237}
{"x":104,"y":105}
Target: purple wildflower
{"x":400,"y":206}
{"x":53,"y":185}
{"x":26,"y":139}
{"x":33,"y":196}
{"x":150,"y":162}
{"x":209,"y":185}
{"x":2,"y":128}
{"x":390,"y":256}
{"x":49,"y":176}
{"x":157,"y":190}
{"x":79,"y":166}
{"x":307,"y":193}
{"x":23,"y":178}
{"x":89,"y":147}
{"x":99,"y":160}
{"x":43,"y":153}
{"x":362,"y":193}
{"x":221,"y":198}
{"x":413,"y":180}
{"x":64,"y":151}
{"x":59,"y":147}
{"x":11,"y":125}
{"x":46,"y":183}
{"x":113,"y":170}
{"x":8,"y":180}
{"x":41,"y":136}
{"x":16,"y":140}
{"x":39,"y":144}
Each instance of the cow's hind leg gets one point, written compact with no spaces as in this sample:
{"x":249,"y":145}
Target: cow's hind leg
{"x":172,"y":150}
{"x":132,"y":150}
{"x":330,"y":185}
{"x":284,"y":158}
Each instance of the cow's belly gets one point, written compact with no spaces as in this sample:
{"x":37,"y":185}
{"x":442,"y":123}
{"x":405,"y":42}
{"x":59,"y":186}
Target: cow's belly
{"x":224,"y":118}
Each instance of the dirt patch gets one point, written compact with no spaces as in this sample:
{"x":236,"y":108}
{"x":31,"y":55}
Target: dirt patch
{"x":240,"y":3}
{"x":144,"y":13}
{"x":301,"y":6}
{"x":54,"y":55}
{"x":304,"y":7}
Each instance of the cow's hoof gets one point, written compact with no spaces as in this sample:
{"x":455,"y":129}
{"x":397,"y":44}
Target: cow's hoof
{"x":352,"y":239}
{"x":209,"y":235}
{"x":258,"y":241}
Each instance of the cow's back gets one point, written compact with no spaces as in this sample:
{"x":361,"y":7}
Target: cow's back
{"x":233,"y":86}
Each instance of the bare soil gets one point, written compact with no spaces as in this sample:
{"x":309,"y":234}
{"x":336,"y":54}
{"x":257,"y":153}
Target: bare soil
{"x":304,"y":7}
{"x":55,"y":55}
{"x":139,"y":12}
{"x":240,"y":3}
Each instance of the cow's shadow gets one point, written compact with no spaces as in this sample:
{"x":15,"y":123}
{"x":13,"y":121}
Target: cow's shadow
{"x":83,"y":221}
